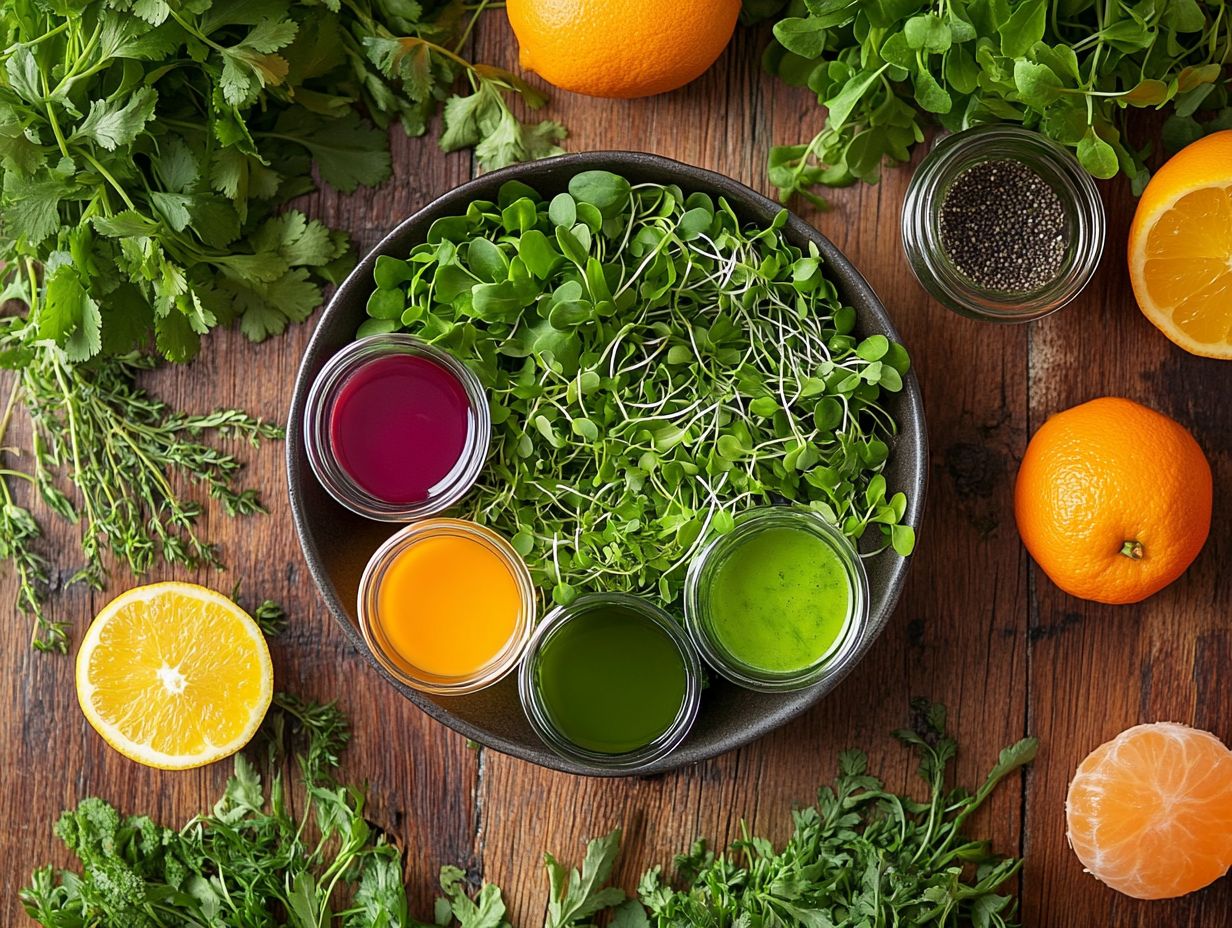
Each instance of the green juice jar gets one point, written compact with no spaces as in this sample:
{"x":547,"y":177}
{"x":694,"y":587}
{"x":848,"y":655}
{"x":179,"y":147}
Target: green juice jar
{"x":779,"y":602}
{"x":610,"y":681}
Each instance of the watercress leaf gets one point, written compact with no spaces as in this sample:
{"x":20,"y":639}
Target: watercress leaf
{"x":805,"y":37}
{"x":1096,"y":155}
{"x":486,"y":261}
{"x":930,"y":94}
{"x":386,"y":304}
{"x":1037,"y":85}
{"x":563,"y":210}
{"x":927,"y":32}
{"x":841,"y":105}
{"x":1147,"y":92}
{"x":1024,"y":27}
{"x":390,"y":272}
{"x":873,"y":348}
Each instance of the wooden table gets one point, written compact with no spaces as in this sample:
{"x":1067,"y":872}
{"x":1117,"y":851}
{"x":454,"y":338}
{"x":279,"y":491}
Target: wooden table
{"x":978,"y":627}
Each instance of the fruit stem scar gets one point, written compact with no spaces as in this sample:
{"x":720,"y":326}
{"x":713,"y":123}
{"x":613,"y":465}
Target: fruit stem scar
{"x":1133,"y":550}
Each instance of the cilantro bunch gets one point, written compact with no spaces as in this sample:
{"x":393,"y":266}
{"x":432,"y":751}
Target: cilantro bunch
{"x":147,"y":146}
{"x":1071,"y":69}
{"x":655,"y":367}
{"x":148,"y":151}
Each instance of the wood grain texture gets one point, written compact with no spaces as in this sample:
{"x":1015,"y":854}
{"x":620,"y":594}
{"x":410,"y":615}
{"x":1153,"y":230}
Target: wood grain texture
{"x":978,"y":628}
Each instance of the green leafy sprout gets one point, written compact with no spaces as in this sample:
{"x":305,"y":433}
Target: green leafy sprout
{"x":1071,"y":69}
{"x":654,"y":366}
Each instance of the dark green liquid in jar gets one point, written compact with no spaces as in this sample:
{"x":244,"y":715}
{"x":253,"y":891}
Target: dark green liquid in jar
{"x":611,"y":680}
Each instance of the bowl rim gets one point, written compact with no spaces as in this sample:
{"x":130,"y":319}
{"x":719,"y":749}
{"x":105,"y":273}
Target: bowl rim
{"x":855,"y":291}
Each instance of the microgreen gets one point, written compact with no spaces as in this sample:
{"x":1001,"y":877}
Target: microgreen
{"x":655,"y":366}
{"x":1072,"y":70}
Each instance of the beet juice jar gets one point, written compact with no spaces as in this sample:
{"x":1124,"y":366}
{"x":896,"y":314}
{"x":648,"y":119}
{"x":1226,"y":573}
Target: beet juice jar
{"x":396,"y":429}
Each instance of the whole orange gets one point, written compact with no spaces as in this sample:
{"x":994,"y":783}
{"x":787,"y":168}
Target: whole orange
{"x":1113,"y":500}
{"x":621,"y":48}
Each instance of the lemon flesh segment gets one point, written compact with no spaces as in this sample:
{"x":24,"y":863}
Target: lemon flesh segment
{"x":174,"y":676}
{"x":1187,"y":265}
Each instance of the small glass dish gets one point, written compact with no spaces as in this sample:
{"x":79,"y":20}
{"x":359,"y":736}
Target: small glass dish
{"x":700,"y":594}
{"x":331,"y":384}
{"x":539,"y":712}
{"x":379,"y":639}
{"x":950,"y":157}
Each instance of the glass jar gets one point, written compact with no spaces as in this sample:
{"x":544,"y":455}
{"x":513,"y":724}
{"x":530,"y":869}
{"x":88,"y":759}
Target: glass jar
{"x":376,"y":613}
{"x":921,"y":226}
{"x":554,"y":632}
{"x":331,"y":385}
{"x":702,"y":594}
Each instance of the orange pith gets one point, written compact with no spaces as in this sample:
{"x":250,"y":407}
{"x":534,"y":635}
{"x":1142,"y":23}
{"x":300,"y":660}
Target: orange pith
{"x":621,"y":48}
{"x":1180,"y":247}
{"x":1113,"y":500}
{"x":1150,"y":812}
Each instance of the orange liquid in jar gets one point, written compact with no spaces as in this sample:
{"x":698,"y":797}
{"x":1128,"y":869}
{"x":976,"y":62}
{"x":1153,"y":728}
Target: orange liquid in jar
{"x":447,"y":606}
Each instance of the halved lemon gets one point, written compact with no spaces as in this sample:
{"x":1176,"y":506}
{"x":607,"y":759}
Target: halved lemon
{"x":1180,"y":247}
{"x":173,"y":675}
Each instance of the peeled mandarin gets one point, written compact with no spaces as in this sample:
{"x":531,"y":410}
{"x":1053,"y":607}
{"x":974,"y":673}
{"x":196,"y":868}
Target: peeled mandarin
{"x":1150,"y":812}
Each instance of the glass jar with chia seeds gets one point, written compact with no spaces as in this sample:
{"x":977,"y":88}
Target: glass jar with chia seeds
{"x":1002,"y":224}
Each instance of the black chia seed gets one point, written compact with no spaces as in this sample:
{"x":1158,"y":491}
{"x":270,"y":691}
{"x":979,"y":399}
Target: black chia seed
{"x":1003,"y":227}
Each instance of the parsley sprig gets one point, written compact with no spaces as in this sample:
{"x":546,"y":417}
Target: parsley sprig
{"x":886,"y":69}
{"x":655,"y":366}
{"x":861,"y":856}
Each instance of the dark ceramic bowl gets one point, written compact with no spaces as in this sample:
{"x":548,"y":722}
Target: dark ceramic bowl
{"x":338,"y":543}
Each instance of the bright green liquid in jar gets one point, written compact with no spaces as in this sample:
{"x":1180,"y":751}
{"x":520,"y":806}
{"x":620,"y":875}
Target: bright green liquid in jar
{"x":780,"y":600}
{"x":611,"y":680}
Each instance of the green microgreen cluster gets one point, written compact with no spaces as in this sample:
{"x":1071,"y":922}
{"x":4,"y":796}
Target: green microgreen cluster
{"x":1071,"y":69}
{"x":862,"y":856}
{"x":655,"y":366}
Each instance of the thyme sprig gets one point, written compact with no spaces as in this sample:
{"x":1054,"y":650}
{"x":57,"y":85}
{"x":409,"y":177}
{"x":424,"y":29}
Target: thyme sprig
{"x":133,"y":464}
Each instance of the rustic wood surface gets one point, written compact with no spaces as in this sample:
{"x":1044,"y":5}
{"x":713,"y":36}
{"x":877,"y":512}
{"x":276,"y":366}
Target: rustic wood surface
{"x":978,"y":627}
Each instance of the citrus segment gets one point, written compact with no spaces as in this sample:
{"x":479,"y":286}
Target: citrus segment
{"x":621,"y":48}
{"x":1150,"y":812}
{"x":1180,"y":247}
{"x":174,"y":675}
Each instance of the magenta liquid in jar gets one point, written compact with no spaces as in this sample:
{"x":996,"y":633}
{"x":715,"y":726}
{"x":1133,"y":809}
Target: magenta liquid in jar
{"x":396,"y":429}
{"x":399,"y":427}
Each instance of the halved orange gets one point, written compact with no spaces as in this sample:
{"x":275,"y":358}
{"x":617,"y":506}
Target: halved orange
{"x":1180,"y":247}
{"x":1150,"y":812}
{"x":173,"y":675}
